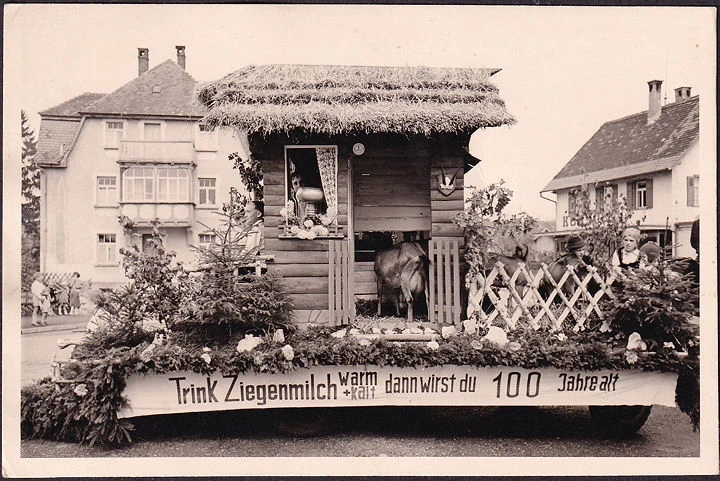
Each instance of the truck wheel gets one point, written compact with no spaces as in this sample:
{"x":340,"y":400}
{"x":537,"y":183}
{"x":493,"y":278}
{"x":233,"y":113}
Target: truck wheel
{"x":619,"y":421}
{"x":305,"y":421}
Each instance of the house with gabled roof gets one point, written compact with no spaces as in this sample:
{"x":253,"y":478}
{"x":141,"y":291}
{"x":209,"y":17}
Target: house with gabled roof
{"x":114,"y":163}
{"x":650,"y":160}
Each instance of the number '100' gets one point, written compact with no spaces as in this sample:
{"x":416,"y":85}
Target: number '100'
{"x":513,"y":382}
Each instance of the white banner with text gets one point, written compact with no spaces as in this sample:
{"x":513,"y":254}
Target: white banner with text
{"x":343,"y":386}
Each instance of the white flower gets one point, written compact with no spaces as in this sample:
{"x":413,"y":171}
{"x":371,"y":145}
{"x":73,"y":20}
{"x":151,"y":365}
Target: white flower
{"x":308,"y":223}
{"x":302,"y":234}
{"x":207,"y":349}
{"x":279,"y":336}
{"x":561,"y":336}
{"x":80,"y":390}
{"x":284,"y":212}
{"x":635,"y":342}
{"x":339,"y":334}
{"x":669,"y":345}
{"x":288,"y":352}
{"x":497,"y":336}
{"x":475,"y":344}
{"x":513,"y":346}
{"x":376,"y":330}
{"x":206,"y":357}
{"x":364,"y":342}
{"x":311,"y":235}
{"x":631,"y":357}
{"x":354,"y":331}
{"x":294,"y":230}
{"x":470,"y":327}
{"x":248,"y":344}
{"x":448,"y":332}
{"x":433,"y":345}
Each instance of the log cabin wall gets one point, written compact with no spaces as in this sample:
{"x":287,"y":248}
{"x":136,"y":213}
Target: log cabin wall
{"x":399,"y":193}
{"x":302,"y":263}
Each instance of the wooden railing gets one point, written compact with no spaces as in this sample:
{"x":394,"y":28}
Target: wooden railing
{"x":536,"y":298}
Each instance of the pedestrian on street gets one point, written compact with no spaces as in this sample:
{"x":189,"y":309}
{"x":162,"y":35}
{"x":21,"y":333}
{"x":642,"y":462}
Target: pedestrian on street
{"x":74,"y":285}
{"x":41,"y":300}
{"x":63,"y":299}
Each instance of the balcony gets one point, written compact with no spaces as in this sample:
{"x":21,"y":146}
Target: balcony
{"x":170,"y":214}
{"x":159,"y":151}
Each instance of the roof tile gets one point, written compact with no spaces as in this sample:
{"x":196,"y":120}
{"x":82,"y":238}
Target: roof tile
{"x":72,"y":107}
{"x":629,"y":140}
{"x":165,"y":90}
{"x":52,"y":134}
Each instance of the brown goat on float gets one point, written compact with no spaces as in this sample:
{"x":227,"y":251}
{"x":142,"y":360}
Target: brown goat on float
{"x":510,"y":263}
{"x":403,"y":267}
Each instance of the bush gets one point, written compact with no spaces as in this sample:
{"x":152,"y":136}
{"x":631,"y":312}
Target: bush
{"x":222,"y":304}
{"x":657,"y":303}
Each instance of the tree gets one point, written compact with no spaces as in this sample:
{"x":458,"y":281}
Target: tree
{"x":30,"y":205}
{"x":30,"y":180}
{"x":487,"y":228}
{"x":600,"y":222}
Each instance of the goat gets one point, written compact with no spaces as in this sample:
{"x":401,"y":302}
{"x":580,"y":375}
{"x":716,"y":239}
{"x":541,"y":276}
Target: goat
{"x":404,"y":267}
{"x":510,"y":263}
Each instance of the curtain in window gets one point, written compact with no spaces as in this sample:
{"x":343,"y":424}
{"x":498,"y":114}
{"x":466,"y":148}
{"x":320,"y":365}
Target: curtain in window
{"x":327,"y":164}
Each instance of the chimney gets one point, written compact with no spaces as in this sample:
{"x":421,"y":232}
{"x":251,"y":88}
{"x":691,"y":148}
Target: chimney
{"x":181,"y":55}
{"x":682,"y":93}
{"x":143,"y":60}
{"x":654,"y":104}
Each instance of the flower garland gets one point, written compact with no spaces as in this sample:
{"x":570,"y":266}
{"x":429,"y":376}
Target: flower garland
{"x":312,"y":225}
{"x":86,"y":411}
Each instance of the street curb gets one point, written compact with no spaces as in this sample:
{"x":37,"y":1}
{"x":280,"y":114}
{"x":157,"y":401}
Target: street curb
{"x":51,"y":328}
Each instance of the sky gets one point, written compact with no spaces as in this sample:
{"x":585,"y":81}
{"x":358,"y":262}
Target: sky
{"x":565,"y":70}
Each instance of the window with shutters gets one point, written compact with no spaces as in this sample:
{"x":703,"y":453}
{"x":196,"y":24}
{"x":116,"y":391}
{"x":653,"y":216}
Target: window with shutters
{"x":605,"y":195}
{"x":640,"y":194}
{"x":693,"y":191}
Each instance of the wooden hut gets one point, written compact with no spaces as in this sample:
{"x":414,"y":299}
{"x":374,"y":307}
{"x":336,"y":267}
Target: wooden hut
{"x":374,"y":151}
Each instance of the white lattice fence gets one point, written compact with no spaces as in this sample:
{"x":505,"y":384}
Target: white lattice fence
{"x":537,"y":298}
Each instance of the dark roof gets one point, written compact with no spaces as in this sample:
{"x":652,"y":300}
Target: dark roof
{"x":165,"y":90}
{"x":336,"y":99}
{"x":72,"y":107}
{"x":54,"y":133}
{"x":628,"y":146}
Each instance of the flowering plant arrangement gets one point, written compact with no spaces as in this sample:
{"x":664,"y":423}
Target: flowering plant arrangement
{"x":310,"y":226}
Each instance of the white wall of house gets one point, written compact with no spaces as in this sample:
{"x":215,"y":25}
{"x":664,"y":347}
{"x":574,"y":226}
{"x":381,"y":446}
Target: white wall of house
{"x":670,"y":204}
{"x":73,"y":220}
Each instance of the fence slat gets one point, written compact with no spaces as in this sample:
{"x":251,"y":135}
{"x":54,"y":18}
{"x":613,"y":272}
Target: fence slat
{"x":522,"y":290}
{"x":432,"y":314}
{"x":331,"y":282}
{"x":455,"y":261}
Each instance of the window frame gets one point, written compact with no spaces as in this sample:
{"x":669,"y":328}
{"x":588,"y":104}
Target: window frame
{"x":97,"y":199}
{"x":106,"y":125}
{"x":205,"y":141}
{"x":100,"y":242}
{"x":640,"y":194}
{"x":213,"y":240}
{"x":201,"y":188}
{"x":161,"y":123}
{"x":155,"y":197}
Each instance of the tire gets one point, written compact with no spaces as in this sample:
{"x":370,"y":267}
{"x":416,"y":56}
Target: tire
{"x":620,"y":421}
{"x":305,"y":422}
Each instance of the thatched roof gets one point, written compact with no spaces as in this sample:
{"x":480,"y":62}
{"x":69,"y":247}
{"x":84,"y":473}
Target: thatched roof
{"x":333,"y":99}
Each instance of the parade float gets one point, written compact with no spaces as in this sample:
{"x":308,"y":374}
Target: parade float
{"x":382,"y":151}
